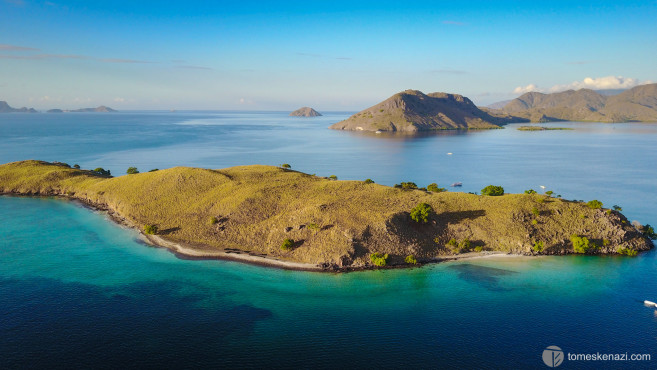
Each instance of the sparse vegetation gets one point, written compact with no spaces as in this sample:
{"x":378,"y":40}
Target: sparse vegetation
{"x":594,"y":204}
{"x":649,"y":232}
{"x":433,"y":187}
{"x":132,"y":170}
{"x":452,"y":243}
{"x":464,"y":246}
{"x":421,"y":213}
{"x":314,"y":226}
{"x":411,"y":260}
{"x":581,"y":244}
{"x":530,"y":191}
{"x":76,"y":166}
{"x":379,"y":259}
{"x":538,"y":247}
{"x":285,"y":166}
{"x":213,"y":220}
{"x":151,"y":229}
{"x":287,"y":244}
{"x":368,"y":181}
{"x":102,"y":171}
{"x":333,"y":177}
{"x":617,"y":208}
{"x":479,"y":249}
{"x":154,"y":169}
{"x":627,"y":252}
{"x":492,"y":190}
{"x":549,"y":193}
{"x":535,"y":211}
{"x":406,"y":186}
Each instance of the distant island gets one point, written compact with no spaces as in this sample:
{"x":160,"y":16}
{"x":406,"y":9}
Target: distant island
{"x":305,"y":112}
{"x":638,"y":104}
{"x":541,"y":128}
{"x":100,"y":109}
{"x":301,"y":221}
{"x":412,"y":111}
{"x":5,"y":108}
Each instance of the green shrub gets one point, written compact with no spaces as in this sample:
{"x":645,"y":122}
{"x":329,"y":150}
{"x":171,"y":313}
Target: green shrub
{"x":213,"y":220}
{"x":605,"y":242}
{"x":421,"y":213}
{"x":617,"y":208}
{"x":369,"y":181}
{"x":479,"y":249}
{"x":649,"y":232}
{"x":452,"y":243}
{"x":406,"y":186}
{"x":465,"y":245}
{"x":535,"y":211}
{"x":433,"y":187}
{"x":132,"y":170}
{"x":627,"y":252}
{"x":154,"y":169}
{"x":287,"y":244}
{"x":379,"y":259}
{"x":411,"y":260}
{"x":150,"y":229}
{"x":538,"y":247}
{"x":581,"y":244}
{"x":102,"y":171}
{"x":76,"y":166}
{"x":492,"y":190}
{"x":286,"y":166}
{"x":333,"y":177}
{"x":549,"y":193}
{"x":530,"y":191}
{"x":594,"y":204}
{"x":313,"y":226}
{"x":534,"y":222}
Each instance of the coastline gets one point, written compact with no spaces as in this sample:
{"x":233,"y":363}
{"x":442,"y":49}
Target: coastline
{"x":200,"y":252}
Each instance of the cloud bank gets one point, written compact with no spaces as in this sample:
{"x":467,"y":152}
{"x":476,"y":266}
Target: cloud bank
{"x":599,"y":83}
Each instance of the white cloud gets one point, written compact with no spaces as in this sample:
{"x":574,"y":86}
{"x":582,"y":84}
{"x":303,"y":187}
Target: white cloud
{"x":598,"y":83}
{"x":526,"y":89}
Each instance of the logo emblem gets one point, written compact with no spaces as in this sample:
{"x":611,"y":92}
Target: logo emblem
{"x":553,"y":356}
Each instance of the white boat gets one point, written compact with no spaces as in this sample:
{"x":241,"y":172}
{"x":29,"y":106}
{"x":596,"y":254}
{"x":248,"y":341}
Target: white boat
{"x":650,"y":303}
{"x":457,"y":184}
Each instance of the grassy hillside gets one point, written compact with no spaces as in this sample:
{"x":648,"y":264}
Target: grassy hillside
{"x":638,"y":104}
{"x":331,"y":223}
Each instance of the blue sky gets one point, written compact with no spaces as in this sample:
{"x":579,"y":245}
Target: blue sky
{"x":337,"y":55}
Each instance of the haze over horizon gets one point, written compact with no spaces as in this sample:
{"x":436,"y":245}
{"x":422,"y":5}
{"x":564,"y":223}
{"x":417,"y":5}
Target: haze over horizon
{"x":330,"y":56}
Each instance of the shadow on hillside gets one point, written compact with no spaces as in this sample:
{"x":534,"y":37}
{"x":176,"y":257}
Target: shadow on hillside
{"x":455,"y":217}
{"x":169,"y":231}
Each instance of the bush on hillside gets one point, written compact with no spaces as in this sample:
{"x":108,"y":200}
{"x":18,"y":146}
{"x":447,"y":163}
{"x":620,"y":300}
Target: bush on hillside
{"x":421,"y":213}
{"x":411,"y":260}
{"x":379,"y":259}
{"x":581,"y":244}
{"x":150,"y":229}
{"x":433,"y":187}
{"x":406,"y":186}
{"x":287,"y":244}
{"x":132,"y":170}
{"x":492,"y":190}
{"x":594,"y":204}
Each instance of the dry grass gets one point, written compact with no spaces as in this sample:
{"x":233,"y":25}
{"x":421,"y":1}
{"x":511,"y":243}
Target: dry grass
{"x":331,"y":222}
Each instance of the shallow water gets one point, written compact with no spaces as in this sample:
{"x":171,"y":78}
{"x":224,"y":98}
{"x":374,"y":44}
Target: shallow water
{"x":79,"y":291}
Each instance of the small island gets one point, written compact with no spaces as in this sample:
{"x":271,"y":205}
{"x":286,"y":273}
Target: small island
{"x":305,"y":112}
{"x":279,"y":217}
{"x":542,"y":128}
{"x":100,"y":109}
{"x":6,"y":108}
{"x":413,"y":111}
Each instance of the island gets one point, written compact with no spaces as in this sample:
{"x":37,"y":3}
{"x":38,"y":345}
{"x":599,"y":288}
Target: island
{"x":280,"y":217}
{"x":542,"y":128}
{"x":100,"y":109}
{"x":6,"y":108}
{"x":638,"y":104}
{"x":305,"y":112}
{"x":413,"y":111}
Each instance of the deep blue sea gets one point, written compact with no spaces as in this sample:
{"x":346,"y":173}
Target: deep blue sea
{"x":77,"y":291}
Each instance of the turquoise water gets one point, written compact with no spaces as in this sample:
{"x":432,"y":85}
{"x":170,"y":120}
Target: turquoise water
{"x":79,"y":291}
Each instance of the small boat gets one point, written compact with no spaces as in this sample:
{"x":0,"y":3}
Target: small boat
{"x":650,"y":303}
{"x":378,"y":131}
{"x":457,"y":184}
{"x":449,"y":153}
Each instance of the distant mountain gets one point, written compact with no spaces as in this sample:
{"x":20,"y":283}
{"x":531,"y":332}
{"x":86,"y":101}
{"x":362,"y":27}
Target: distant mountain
{"x":638,"y":104}
{"x":5,"y":108}
{"x":305,"y":112}
{"x":101,"y":109}
{"x":412,"y":110}
{"x":499,"y":104}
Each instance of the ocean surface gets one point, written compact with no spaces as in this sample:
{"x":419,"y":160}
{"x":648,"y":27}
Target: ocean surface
{"x":78,"y":291}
